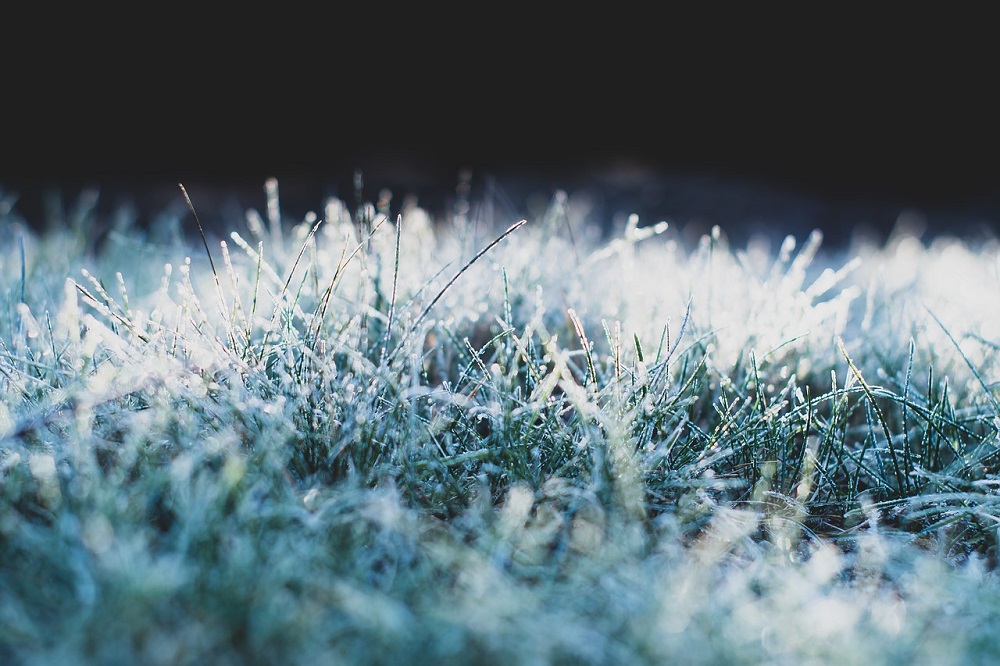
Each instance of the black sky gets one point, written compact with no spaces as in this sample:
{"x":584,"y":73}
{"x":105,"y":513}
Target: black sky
{"x":846,"y":110}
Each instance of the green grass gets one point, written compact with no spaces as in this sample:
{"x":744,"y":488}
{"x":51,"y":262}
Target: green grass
{"x":347,"y":440}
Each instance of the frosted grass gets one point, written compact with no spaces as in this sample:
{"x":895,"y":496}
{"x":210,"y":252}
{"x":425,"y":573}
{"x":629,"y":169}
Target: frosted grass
{"x":354,"y":440}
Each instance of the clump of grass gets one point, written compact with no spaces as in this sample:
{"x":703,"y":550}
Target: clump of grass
{"x":386,"y":440}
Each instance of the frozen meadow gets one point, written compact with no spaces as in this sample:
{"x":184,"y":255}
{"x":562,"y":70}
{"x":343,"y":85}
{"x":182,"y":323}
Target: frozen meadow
{"x":373,"y":436}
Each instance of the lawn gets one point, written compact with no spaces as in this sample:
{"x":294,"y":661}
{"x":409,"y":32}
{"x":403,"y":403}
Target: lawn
{"x":377,"y":436}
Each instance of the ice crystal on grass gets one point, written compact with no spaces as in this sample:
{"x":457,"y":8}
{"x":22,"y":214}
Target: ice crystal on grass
{"x":377,"y":437}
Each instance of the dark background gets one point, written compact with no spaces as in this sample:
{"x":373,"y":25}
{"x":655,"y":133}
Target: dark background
{"x":840,"y":123}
